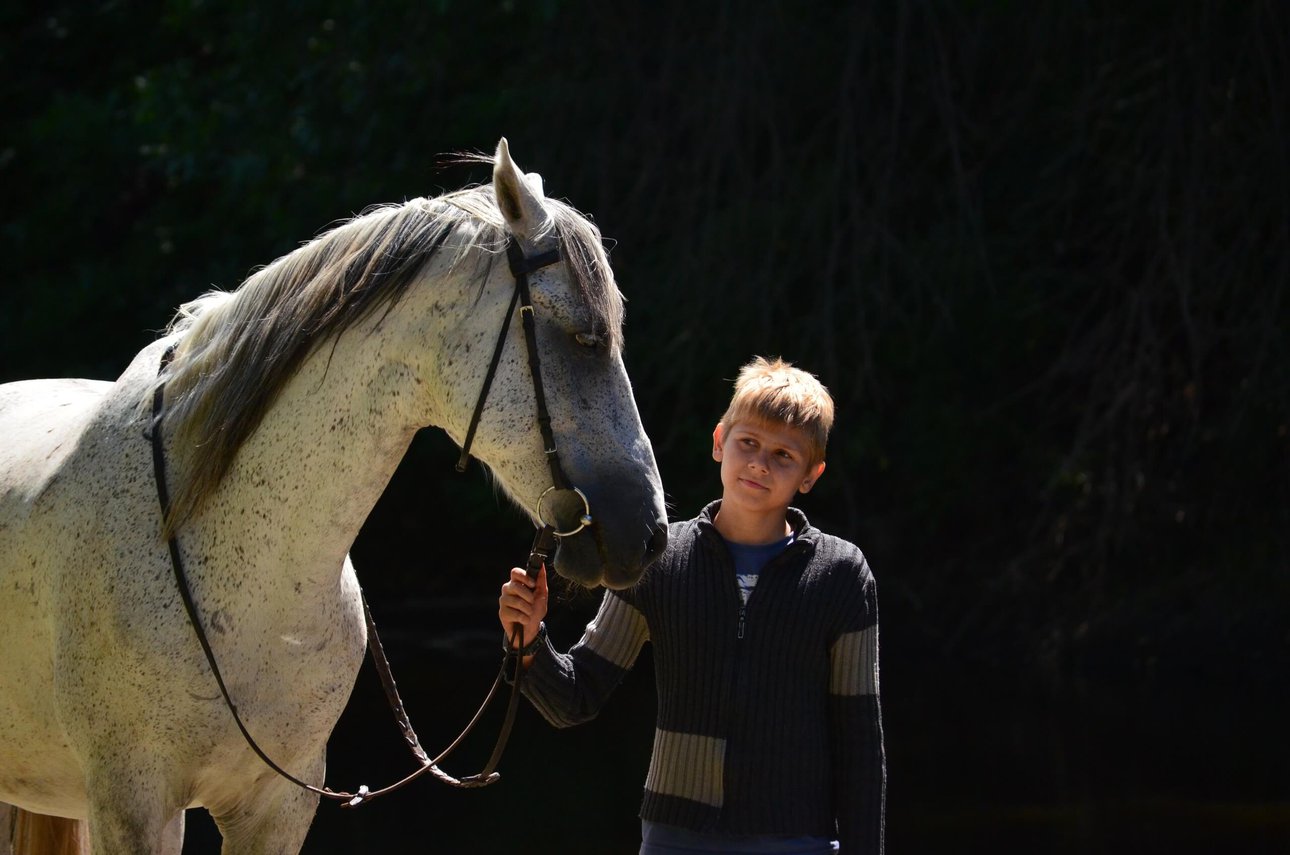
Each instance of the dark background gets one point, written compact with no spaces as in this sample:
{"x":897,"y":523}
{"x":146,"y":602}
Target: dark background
{"x":1038,"y":251}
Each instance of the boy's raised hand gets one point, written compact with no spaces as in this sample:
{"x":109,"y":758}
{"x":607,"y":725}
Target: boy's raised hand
{"x":523,"y":601}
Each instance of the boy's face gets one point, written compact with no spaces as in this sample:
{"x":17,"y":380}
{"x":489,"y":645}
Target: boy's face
{"x":763,"y":465}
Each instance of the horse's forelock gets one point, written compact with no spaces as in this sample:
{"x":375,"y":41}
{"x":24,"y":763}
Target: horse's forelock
{"x":585,"y":254}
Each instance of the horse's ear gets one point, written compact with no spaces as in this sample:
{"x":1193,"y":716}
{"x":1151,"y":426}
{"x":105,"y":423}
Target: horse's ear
{"x":518,"y":196}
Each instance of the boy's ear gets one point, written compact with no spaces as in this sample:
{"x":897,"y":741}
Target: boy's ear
{"x":812,"y":475}
{"x":717,"y":437}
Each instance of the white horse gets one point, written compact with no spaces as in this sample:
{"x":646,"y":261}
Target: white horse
{"x":288,"y":406}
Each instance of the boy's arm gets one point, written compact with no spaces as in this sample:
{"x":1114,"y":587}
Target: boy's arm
{"x":860,"y":773}
{"x":570,"y":688}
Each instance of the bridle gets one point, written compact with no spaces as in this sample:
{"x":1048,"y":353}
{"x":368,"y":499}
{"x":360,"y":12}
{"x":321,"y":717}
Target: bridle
{"x":544,"y":544}
{"x":521,"y":267}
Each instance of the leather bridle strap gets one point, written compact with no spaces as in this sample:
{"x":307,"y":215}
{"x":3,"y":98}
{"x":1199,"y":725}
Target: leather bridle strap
{"x":543,"y":548}
{"x":544,"y":542}
{"x":521,"y":267}
{"x":376,"y":649}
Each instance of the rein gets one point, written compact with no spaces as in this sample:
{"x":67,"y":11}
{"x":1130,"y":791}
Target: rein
{"x":543,"y":548}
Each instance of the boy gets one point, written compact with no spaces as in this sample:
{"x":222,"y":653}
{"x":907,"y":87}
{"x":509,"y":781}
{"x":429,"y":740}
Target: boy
{"x":765,"y":633}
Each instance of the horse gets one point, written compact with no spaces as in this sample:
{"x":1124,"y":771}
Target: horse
{"x":288,"y":404}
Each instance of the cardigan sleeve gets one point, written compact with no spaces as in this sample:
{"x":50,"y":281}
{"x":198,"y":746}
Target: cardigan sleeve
{"x":855,"y":726}
{"x":570,"y":688}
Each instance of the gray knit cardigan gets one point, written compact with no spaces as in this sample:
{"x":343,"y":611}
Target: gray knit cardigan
{"x":768,"y":714}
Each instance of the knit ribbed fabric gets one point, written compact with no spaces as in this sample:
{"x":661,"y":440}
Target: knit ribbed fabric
{"x":777,"y":732}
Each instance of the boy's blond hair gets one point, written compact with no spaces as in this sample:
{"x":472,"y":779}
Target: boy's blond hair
{"x":774,"y":392}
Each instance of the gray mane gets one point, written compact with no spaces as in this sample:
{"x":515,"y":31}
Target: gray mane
{"x":238,"y":349}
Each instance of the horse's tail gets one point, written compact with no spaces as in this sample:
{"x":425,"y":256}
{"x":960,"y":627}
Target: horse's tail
{"x":37,"y":834}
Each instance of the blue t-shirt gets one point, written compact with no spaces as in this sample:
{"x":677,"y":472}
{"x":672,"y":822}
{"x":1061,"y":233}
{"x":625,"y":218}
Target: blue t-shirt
{"x":750,"y":559}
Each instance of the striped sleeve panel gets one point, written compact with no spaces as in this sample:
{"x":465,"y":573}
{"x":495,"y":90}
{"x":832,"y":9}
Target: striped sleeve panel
{"x":853,"y":662}
{"x":570,"y":688}
{"x":617,"y":632}
{"x":688,"y":766}
{"x":860,"y":767}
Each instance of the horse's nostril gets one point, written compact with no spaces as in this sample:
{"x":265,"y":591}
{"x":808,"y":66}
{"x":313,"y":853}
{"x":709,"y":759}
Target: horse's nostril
{"x":656,"y":544}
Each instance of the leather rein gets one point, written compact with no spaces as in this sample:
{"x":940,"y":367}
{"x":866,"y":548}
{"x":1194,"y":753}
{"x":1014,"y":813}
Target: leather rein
{"x":543,"y":547}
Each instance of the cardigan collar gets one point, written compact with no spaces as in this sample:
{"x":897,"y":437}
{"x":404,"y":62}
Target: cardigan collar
{"x":803,"y":531}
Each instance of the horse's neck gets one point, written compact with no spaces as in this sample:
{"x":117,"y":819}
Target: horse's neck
{"x":306,"y":479}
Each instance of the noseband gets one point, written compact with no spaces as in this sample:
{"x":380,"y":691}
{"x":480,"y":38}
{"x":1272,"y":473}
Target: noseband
{"x":543,"y":547}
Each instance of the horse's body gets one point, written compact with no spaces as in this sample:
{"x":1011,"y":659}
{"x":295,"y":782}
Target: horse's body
{"x":108,"y":709}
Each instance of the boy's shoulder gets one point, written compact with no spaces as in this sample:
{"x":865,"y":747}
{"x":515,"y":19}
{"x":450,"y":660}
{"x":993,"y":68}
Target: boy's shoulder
{"x":831,"y":553}
{"x":682,"y":534}
{"x":832,"y":543}
{"x":682,"y":537}
{"x":688,"y":528}
{"x":826,"y":548}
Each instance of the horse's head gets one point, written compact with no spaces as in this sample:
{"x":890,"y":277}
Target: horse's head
{"x":597,"y":433}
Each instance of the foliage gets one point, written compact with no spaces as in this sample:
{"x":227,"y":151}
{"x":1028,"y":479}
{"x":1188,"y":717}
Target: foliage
{"x":1037,"y":253}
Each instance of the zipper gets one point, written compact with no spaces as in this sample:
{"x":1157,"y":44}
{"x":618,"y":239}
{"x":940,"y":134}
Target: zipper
{"x":742,"y":625}
{"x":740,"y":629}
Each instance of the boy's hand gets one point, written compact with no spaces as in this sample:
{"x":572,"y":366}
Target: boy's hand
{"x":523,"y":601}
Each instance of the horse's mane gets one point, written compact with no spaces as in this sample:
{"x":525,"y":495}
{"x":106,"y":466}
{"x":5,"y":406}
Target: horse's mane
{"x":236,"y":350}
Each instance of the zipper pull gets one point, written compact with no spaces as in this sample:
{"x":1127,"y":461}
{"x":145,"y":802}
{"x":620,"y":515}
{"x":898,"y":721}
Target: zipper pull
{"x":742,"y":614}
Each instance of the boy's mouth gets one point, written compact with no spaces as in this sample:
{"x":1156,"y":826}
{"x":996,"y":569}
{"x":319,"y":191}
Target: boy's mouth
{"x":753,"y":484}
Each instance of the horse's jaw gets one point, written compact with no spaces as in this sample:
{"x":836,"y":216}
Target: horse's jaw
{"x":628,"y":531}
{"x":585,"y":560}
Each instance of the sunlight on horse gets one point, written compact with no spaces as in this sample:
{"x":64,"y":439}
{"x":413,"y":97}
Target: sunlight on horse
{"x":288,"y":406}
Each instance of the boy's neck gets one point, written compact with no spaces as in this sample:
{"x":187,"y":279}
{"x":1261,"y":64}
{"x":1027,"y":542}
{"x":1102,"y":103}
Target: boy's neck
{"x":738,"y":526}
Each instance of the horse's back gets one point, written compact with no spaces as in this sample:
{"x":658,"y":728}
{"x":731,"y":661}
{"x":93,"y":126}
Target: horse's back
{"x":60,"y":446}
{"x":41,"y":422}
{"x":63,"y":440}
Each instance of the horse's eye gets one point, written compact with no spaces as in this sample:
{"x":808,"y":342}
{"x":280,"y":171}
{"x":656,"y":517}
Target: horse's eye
{"x":587,"y":339}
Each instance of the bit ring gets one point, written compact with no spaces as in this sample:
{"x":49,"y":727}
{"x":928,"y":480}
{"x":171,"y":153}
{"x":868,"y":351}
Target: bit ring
{"x":583,"y":521}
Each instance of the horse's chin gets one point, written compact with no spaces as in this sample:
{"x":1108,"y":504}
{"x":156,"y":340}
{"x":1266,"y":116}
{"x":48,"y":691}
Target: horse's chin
{"x":579,"y":560}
